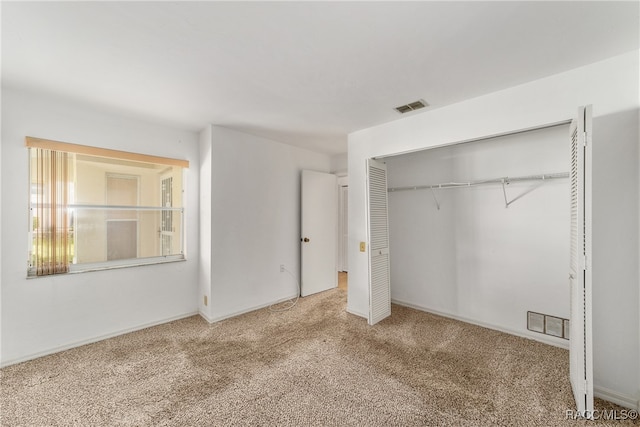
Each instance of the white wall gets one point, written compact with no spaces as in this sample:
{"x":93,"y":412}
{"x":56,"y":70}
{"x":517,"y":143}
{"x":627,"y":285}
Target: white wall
{"x":612,"y":87}
{"x":255,"y":219}
{"x":1,"y":236}
{"x":616,"y":281}
{"x":43,"y":315}
{"x":473,"y":258}
{"x":339,"y":164}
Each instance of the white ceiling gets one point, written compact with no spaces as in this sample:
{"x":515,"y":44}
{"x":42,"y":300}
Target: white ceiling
{"x":303,"y":73}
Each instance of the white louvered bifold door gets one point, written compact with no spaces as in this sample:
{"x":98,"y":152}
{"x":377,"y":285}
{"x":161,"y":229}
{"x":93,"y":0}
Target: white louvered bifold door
{"x":379,"y":275}
{"x":580,"y":345}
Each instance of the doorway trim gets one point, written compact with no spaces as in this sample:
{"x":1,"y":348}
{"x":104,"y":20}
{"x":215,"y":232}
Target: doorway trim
{"x":343,"y":224}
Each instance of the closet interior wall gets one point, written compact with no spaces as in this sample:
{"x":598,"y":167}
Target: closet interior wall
{"x":474,"y":258}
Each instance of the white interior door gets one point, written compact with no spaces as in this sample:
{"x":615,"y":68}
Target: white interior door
{"x":319,"y":232}
{"x":580,"y":343}
{"x":378,"y":228}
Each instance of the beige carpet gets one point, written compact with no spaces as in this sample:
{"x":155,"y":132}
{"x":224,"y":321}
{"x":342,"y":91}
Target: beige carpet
{"x":313,"y":365}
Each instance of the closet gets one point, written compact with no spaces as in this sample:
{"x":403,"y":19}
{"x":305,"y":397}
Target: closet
{"x":479,"y":231}
{"x":519,"y":263}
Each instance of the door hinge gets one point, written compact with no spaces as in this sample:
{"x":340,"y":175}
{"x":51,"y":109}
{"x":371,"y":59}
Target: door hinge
{"x":585,"y":262}
{"x":584,"y":135}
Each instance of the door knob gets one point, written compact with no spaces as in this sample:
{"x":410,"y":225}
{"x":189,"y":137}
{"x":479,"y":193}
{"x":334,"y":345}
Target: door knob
{"x":306,"y":240}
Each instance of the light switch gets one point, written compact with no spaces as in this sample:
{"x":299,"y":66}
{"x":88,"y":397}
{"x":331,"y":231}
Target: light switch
{"x":362,"y":246}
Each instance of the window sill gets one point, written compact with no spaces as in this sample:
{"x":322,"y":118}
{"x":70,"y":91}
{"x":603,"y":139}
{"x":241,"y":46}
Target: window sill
{"x":112,"y":265}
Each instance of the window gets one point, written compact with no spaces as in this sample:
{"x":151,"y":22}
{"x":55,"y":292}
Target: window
{"x":93,"y":208}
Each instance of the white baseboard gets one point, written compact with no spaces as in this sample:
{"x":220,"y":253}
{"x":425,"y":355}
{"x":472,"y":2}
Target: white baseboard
{"x":357,"y":313}
{"x":205,"y":317}
{"x":618,"y":398}
{"x":244,"y":310}
{"x":93,"y":340}
{"x":545,"y":339}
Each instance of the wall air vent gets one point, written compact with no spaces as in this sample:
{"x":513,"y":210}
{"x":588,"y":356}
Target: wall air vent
{"x":549,"y":325}
{"x":411,"y":107}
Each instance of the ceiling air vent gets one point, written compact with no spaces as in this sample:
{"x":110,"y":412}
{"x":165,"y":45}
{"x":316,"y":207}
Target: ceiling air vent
{"x":411,"y":107}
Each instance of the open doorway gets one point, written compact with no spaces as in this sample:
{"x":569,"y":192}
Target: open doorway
{"x":343,"y":280}
{"x":343,"y":232}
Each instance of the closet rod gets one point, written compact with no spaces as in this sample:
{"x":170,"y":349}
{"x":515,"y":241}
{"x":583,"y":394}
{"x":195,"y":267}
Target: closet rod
{"x":503,"y":180}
